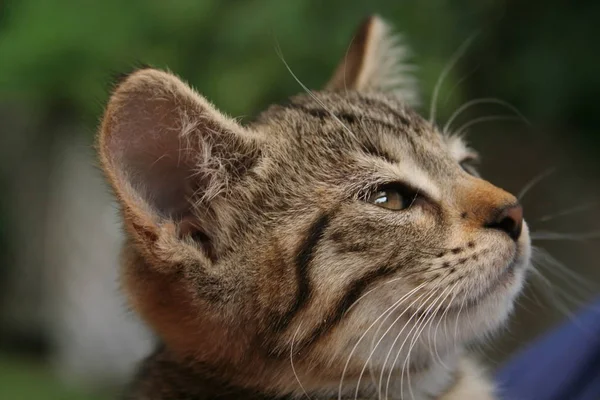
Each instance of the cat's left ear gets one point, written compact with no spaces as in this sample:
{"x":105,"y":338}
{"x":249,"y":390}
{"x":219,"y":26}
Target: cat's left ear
{"x":376,"y":61}
{"x":172,"y":159}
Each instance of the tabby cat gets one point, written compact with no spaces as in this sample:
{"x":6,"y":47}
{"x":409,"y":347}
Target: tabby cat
{"x":338,"y":247}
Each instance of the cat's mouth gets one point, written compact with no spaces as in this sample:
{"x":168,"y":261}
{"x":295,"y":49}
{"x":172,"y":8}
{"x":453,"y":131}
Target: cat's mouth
{"x":496,"y":285}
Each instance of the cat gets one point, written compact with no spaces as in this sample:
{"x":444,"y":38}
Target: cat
{"x":337,"y":247}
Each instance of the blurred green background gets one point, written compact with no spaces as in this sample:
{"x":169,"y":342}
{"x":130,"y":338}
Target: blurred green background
{"x":64,"y":331}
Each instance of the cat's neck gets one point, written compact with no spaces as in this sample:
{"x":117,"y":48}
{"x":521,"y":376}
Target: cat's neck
{"x":165,"y":376}
{"x":423,"y":383}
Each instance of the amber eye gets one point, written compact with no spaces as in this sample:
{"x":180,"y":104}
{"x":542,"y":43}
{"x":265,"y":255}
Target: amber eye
{"x":390,"y":199}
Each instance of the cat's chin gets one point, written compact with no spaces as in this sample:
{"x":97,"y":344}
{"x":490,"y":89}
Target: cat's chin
{"x":490,"y":307}
{"x":470,"y":322}
{"x":455,"y":327}
{"x":486,"y":315}
{"x":505,"y":286}
{"x":479,"y":318}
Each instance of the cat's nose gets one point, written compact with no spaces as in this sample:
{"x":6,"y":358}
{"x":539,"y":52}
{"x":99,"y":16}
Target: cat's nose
{"x":486,"y":206}
{"x":508,"y":219}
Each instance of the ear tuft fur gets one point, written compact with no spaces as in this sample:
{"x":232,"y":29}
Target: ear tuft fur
{"x":377,"y":60}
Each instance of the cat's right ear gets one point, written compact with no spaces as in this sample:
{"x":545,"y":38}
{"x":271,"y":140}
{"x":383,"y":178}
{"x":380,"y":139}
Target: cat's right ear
{"x":169,"y":156}
{"x":376,"y":60}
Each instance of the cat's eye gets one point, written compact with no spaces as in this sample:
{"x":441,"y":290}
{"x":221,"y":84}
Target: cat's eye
{"x":391,"y":198}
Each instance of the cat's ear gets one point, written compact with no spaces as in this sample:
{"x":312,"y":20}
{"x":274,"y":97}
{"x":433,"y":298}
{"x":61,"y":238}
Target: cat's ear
{"x":377,"y":61}
{"x":169,"y":154}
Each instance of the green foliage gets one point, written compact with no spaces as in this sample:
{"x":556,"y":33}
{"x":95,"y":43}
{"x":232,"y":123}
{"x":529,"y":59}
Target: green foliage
{"x":62,"y":53}
{"x":24,"y":380}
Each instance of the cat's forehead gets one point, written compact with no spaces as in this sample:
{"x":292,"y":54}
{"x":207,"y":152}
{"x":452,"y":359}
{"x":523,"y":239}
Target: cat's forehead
{"x":350,"y":106}
{"x":347,"y":117}
{"x":342,"y":124}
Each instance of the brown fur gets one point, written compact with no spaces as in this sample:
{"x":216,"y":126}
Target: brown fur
{"x":256,"y":258}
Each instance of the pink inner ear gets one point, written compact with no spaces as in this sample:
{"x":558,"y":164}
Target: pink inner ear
{"x":146,"y":147}
{"x":155,"y":137}
{"x":162,"y":171}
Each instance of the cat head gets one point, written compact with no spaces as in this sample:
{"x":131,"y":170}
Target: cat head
{"x":338,"y":229}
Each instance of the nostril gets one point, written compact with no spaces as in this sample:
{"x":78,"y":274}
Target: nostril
{"x":509,"y":220}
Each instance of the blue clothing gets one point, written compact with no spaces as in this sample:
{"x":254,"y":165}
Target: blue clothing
{"x":562,"y":365}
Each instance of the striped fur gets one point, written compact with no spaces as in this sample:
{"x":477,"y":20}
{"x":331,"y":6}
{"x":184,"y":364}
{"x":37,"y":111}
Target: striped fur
{"x":255,"y":258}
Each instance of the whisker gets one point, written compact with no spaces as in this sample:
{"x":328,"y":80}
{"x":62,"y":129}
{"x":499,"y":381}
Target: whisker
{"x":460,"y":82}
{"x":310,"y":93}
{"x":391,"y":369}
{"x":438,"y":325}
{"x":421,"y":317}
{"x":345,"y":62}
{"x":462,"y":304}
{"x":292,"y":362}
{"x":544,"y":259}
{"x":387,"y":311}
{"x":432,"y":293}
{"x":413,"y":341}
{"x":425,"y":269}
{"x":536,"y":179}
{"x":552,"y":291}
{"x":568,"y":211}
{"x":581,"y":236}
{"x":487,"y":100}
{"x":370,"y":291}
{"x":479,"y":120}
{"x":426,"y":253}
{"x":551,"y":294}
{"x":455,"y":58}
{"x":468,"y":312}
{"x":531,"y":297}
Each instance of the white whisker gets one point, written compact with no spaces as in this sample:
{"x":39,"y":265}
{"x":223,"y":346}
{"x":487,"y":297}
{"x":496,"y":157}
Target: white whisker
{"x":536,"y":179}
{"x":387,"y":311}
{"x":438,"y":325}
{"x":311,"y":94}
{"x":424,"y":304}
{"x":544,"y":259}
{"x":475,"y":102}
{"x":568,"y":211}
{"x":369,"y":291}
{"x":387,"y":331}
{"x":346,"y":62}
{"x":438,"y":85}
{"x":490,"y":118}
{"x":544,"y":235}
{"x":413,"y":341}
{"x":460,"y":82}
{"x":462,"y":304}
{"x":292,"y":362}
{"x":551,"y":294}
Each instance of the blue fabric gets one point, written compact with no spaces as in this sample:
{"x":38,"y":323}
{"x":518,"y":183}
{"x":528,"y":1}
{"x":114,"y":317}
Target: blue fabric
{"x":562,"y":365}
